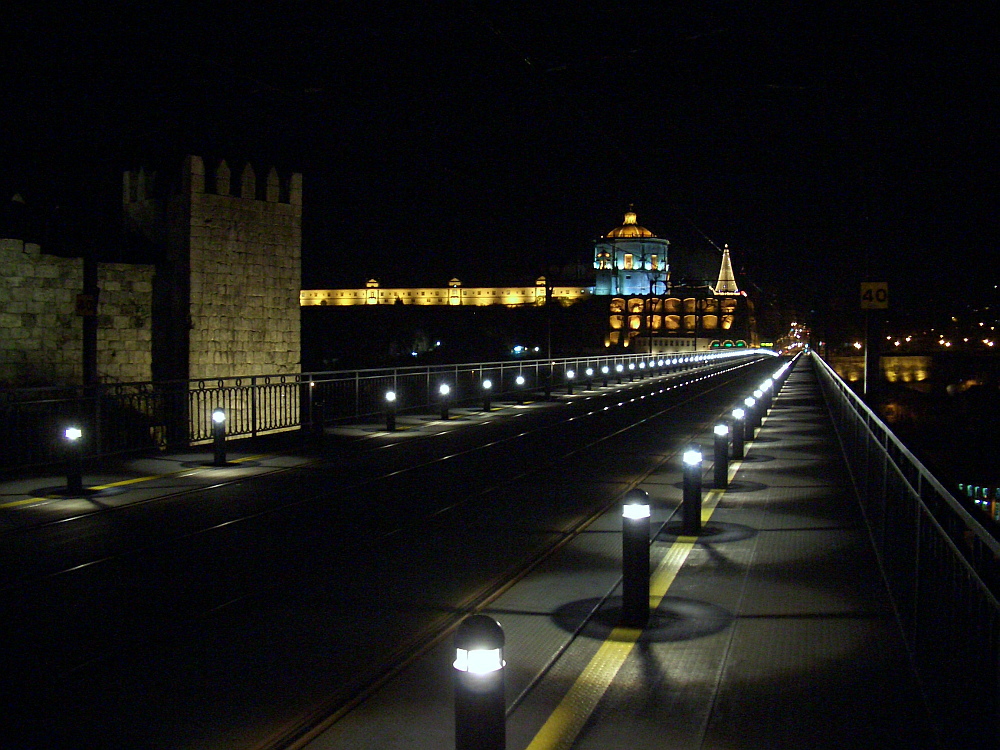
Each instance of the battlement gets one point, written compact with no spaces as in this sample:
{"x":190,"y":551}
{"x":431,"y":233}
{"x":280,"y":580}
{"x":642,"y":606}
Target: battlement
{"x":144,"y":184}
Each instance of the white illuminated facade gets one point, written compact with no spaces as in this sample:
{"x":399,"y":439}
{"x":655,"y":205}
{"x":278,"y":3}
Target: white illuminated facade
{"x":630,"y":259}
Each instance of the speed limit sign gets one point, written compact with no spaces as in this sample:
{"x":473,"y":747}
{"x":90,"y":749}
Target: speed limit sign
{"x":874,"y":295}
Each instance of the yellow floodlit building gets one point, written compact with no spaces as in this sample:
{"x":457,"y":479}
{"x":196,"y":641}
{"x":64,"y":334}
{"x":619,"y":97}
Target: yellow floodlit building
{"x":453,"y":294}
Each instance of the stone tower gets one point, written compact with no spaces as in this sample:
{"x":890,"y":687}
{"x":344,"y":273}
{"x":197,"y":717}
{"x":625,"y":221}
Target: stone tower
{"x":226,"y":301}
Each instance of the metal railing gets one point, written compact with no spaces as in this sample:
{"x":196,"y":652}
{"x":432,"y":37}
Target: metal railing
{"x":940,"y":565}
{"x":131,"y":417}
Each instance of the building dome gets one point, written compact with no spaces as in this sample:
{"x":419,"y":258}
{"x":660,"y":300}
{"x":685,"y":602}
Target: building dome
{"x":629,"y":230}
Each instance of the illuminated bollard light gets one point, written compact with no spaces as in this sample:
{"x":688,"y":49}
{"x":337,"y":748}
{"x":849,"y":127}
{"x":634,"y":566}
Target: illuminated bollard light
{"x":390,"y":410}
{"x":749,"y":418}
{"x":570,"y":374}
{"x":691,"y":504}
{"x":604,"y":375}
{"x":631,"y":371}
{"x":74,"y":469}
{"x":219,"y":437}
{"x":519,"y":388}
{"x":738,"y":432}
{"x":487,"y":391}
{"x":620,"y":369}
{"x":480,"y":721}
{"x":721,"y":457}
{"x":589,"y":383}
{"x":635,"y":559}
{"x":761,"y":405}
{"x":444,"y":392}
{"x":766,"y":392}
{"x":642,"y":370}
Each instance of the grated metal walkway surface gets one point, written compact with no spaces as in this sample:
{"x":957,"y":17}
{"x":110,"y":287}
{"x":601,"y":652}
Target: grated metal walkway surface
{"x":771,"y":630}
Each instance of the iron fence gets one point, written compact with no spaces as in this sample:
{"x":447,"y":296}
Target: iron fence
{"x":132,"y":417}
{"x":941,"y":565}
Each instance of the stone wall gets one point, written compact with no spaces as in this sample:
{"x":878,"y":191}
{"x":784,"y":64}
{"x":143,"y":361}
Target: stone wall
{"x":41,"y":332}
{"x":125,"y":324}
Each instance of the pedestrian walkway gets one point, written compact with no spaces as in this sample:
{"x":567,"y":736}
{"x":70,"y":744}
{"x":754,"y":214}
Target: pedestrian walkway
{"x":772,"y":629}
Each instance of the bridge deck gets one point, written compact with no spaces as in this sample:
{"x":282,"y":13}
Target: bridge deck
{"x":773,"y":629}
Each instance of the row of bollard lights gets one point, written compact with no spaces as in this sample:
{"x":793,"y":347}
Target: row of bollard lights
{"x":480,"y":710}
{"x":445,"y":397}
{"x":74,"y":434}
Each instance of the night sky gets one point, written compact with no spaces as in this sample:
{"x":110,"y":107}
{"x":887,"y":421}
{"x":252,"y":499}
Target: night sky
{"x":469,"y":138}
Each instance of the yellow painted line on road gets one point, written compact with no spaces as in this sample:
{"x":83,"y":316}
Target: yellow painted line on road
{"x":126,"y":482}
{"x":567,"y":721}
{"x":29,"y":501}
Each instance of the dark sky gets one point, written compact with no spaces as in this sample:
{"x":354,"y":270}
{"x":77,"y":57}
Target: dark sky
{"x":464,"y":137}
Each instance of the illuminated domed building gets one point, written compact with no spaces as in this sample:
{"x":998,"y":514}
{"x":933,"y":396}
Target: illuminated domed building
{"x":631,"y":260}
{"x":647,"y":308}
{"x":651,"y":312}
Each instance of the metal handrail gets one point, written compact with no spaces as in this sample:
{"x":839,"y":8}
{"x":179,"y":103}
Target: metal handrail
{"x":940,"y":564}
{"x":121,"y":418}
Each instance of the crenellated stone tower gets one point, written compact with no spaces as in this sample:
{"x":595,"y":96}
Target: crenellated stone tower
{"x":226,"y":301}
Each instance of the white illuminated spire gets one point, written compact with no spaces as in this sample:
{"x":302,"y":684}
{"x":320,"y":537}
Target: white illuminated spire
{"x":727,"y":280}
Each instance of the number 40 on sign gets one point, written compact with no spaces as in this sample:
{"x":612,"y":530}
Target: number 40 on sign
{"x":874,"y":295}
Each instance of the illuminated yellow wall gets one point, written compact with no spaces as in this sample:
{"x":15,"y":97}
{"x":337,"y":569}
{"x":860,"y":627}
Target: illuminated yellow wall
{"x":481,"y":296}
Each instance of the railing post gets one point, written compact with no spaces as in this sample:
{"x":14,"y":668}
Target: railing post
{"x":253,"y":405}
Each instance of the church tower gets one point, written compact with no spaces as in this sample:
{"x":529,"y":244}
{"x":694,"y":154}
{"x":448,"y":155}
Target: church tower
{"x":727,"y":279}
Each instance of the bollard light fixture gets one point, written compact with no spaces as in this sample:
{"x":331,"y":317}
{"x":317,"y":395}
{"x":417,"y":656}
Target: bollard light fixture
{"x":570,"y":374}
{"x":691,"y":502}
{"x":605,"y":370}
{"x":635,"y":559}
{"x":390,"y":397}
{"x":444,"y":389}
{"x":74,"y":447}
{"x":590,"y":372}
{"x":749,"y":402}
{"x":218,"y":437}
{"x":692,"y":456}
{"x":478,"y":660}
{"x":480,"y":719}
{"x":635,"y":511}
{"x":519,"y":380}
{"x":487,"y":384}
{"x":738,"y":413}
{"x":721,"y":458}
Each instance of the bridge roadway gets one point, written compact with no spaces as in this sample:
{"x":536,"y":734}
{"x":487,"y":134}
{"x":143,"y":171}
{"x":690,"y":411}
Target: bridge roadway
{"x":304,"y":598}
